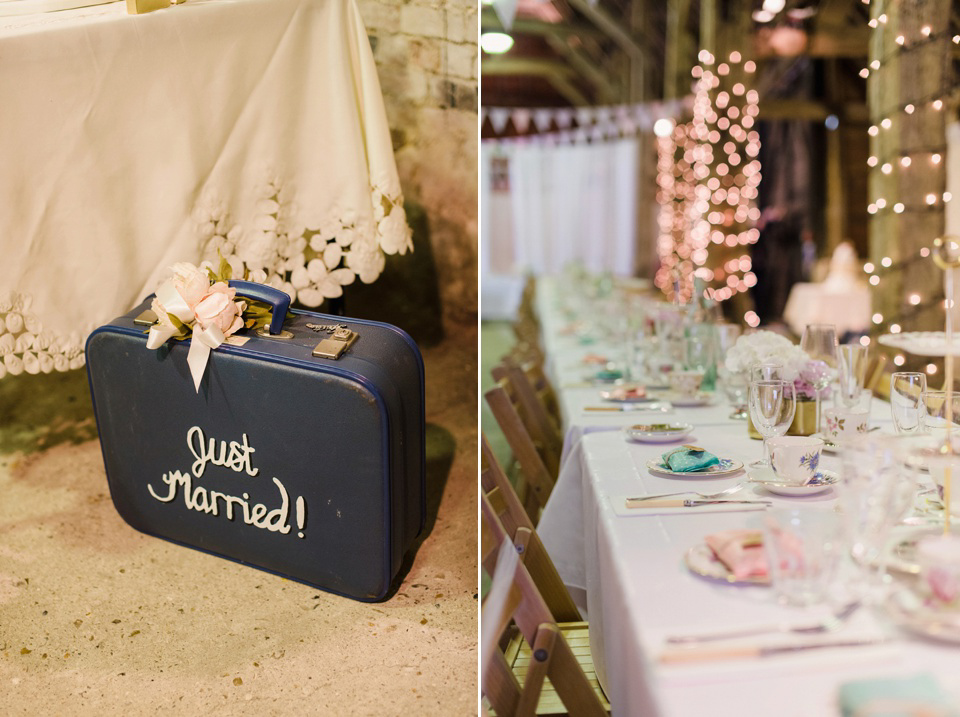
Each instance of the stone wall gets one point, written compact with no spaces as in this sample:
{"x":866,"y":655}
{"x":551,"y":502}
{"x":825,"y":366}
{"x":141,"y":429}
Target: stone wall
{"x":427,"y":57}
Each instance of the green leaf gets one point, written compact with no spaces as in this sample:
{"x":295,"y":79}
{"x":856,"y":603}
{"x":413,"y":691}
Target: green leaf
{"x":226,"y":271}
{"x":179,"y":326}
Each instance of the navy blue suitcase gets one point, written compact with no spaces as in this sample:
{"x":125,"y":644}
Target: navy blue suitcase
{"x":301,"y":454}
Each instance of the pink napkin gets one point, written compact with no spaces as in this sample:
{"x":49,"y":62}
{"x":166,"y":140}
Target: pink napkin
{"x":741,"y":551}
{"x":594,"y":358}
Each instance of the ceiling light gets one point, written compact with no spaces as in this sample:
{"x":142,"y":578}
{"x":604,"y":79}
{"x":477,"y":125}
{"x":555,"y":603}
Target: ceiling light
{"x":495,"y":43}
{"x":763,"y":16}
{"x":774,"y":6}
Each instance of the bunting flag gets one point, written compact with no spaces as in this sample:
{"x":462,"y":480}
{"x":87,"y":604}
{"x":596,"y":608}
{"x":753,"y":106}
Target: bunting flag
{"x":521,"y":119}
{"x":542,"y":119}
{"x":563,"y":117}
{"x":570,"y":125}
{"x":499,"y":116}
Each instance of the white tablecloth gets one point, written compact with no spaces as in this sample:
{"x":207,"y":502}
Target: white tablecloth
{"x":638,"y":589}
{"x":253,"y":128}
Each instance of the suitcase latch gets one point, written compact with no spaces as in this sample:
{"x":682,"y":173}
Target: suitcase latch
{"x":341,"y":338}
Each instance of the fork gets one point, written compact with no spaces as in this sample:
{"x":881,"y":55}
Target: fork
{"x":831,"y":623}
{"x":703,"y":496}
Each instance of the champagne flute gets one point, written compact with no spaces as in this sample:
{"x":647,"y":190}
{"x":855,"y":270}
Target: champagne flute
{"x":773,"y":404}
{"x":906,"y":390}
{"x":853,"y":370}
{"x":819,"y":341}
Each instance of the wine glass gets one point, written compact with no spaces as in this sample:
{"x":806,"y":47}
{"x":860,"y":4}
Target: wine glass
{"x":853,"y":370}
{"x":906,"y":390}
{"x":819,"y":341}
{"x":767,"y":371}
{"x":735,"y":387}
{"x":876,"y":491}
{"x":773,"y":404}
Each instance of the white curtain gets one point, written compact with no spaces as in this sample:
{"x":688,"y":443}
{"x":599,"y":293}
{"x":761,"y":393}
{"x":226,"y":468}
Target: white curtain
{"x":574,"y":203}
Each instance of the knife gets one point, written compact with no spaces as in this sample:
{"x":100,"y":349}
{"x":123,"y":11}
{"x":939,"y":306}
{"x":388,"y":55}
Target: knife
{"x":687,"y":502}
{"x":632,"y":407}
{"x":678,"y":655}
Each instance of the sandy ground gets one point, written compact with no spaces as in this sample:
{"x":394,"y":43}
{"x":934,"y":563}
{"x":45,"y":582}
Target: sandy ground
{"x":98,"y":618}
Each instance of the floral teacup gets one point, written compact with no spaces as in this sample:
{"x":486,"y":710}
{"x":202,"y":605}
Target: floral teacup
{"x":795,"y":459}
{"x":939,"y":559}
{"x":685,"y":383}
{"x":842,"y":424}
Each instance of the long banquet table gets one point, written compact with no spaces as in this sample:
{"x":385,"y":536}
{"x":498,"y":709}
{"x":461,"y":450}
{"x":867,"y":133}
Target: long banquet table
{"x":631,"y":569}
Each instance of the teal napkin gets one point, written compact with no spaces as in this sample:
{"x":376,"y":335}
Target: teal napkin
{"x":686,"y":459}
{"x":906,"y":697}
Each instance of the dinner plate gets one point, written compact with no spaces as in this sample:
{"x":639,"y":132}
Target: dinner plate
{"x":657,"y":432}
{"x":768,"y":480}
{"x":701,"y":560}
{"x":724,"y":468}
{"x":916,"y":610}
{"x":626,"y":394}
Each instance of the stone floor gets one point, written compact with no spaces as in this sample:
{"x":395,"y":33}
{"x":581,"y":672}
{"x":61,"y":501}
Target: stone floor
{"x":98,"y":618}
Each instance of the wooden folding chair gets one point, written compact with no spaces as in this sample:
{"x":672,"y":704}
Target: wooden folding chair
{"x":538,"y":481}
{"x":526,"y":399}
{"x":518,"y":528}
{"x":540,"y":671}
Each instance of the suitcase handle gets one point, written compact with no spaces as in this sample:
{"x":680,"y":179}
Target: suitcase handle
{"x":279,"y":300}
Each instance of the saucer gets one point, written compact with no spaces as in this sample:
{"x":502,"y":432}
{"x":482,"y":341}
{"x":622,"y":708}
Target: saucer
{"x":724,"y":468}
{"x":914,"y":609}
{"x":767,"y":479}
{"x":828,"y":444}
{"x":657,"y":432}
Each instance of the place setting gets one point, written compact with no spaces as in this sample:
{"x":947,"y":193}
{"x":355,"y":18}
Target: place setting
{"x":797,"y":558}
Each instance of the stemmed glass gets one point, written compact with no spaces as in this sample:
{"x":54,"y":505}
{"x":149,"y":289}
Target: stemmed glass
{"x":773,"y":404}
{"x":734,"y":383}
{"x":906,"y":391}
{"x":876,"y":491}
{"x":819,"y":341}
{"x":853,"y":370}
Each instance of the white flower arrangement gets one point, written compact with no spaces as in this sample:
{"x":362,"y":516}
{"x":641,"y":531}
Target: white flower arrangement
{"x":767,"y":346}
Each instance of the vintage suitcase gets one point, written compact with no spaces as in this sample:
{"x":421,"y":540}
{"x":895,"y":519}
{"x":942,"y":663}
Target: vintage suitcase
{"x":302,"y":452}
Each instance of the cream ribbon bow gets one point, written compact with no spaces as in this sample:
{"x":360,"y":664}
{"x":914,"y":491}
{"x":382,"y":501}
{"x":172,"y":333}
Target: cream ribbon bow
{"x":202,"y":340}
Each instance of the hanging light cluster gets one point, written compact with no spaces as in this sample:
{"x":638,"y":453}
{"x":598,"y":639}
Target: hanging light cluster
{"x":708,"y":174}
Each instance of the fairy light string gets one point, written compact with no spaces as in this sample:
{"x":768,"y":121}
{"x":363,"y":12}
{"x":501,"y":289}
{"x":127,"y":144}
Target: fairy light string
{"x":708,"y":173}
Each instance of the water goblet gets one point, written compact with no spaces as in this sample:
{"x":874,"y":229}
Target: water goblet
{"x":853,"y":370}
{"x":819,"y":341}
{"x":876,"y":491}
{"x":735,"y":386}
{"x":773,"y":404}
{"x":906,"y":389}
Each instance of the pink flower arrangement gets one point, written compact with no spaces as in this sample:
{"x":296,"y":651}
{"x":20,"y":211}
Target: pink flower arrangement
{"x":194,"y":304}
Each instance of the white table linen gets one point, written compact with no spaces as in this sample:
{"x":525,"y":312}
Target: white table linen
{"x":638,"y":589}
{"x":252,"y":128}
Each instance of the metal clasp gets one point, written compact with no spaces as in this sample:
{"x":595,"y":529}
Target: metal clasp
{"x":341,"y":338}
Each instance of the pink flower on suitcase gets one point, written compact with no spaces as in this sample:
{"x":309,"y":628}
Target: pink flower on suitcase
{"x":191,"y":283}
{"x":196,"y":303}
{"x":219,"y":309}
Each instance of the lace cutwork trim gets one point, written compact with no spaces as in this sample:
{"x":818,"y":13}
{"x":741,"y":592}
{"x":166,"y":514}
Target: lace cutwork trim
{"x":25,"y":347}
{"x":310,"y":261}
